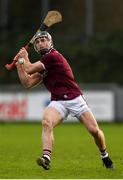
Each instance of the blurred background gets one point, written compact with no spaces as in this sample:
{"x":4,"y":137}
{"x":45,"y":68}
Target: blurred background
{"x":90,"y":37}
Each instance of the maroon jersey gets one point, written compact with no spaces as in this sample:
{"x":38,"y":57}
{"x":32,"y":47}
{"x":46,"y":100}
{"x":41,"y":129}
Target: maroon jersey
{"x":59,"y":79}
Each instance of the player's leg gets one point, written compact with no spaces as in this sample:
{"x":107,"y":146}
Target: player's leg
{"x":89,"y":121}
{"x":51,"y":118}
{"x":91,"y":124}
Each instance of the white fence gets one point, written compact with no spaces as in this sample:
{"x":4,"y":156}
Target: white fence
{"x":29,"y":106}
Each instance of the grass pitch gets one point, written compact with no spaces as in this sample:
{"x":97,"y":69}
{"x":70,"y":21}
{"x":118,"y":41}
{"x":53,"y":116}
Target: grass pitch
{"x":75,"y":155}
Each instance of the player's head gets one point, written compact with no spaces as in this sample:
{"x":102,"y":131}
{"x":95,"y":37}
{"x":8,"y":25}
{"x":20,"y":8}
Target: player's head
{"x":43,"y":42}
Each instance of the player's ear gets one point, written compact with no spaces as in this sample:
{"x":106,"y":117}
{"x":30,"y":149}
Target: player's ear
{"x":51,"y":45}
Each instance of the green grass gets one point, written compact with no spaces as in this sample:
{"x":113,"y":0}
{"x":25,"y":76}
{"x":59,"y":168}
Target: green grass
{"x":75,"y":155}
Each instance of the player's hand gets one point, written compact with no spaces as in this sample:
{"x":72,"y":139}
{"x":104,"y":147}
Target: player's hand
{"x":23,"y":54}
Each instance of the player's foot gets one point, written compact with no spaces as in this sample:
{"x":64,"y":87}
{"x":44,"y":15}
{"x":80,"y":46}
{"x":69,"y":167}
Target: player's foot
{"x":107,"y":162}
{"x":44,"y":162}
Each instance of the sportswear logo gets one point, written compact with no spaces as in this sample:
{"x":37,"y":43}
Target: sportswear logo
{"x":65,"y":96}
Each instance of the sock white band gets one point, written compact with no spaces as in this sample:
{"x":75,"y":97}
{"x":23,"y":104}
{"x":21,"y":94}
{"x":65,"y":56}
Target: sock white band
{"x":106,"y":155}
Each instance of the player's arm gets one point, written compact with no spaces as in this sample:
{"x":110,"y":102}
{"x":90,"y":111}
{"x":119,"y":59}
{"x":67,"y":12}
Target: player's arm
{"x":30,"y":68}
{"x":27,"y":80}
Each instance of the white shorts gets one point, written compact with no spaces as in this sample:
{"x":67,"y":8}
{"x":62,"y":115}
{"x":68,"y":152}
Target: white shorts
{"x":75,"y":107}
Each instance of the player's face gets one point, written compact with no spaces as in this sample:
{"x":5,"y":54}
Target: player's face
{"x":42,"y":43}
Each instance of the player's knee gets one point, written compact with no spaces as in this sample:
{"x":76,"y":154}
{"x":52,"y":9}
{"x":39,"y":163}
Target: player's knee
{"x":94,"y":131}
{"x":47,"y":123}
